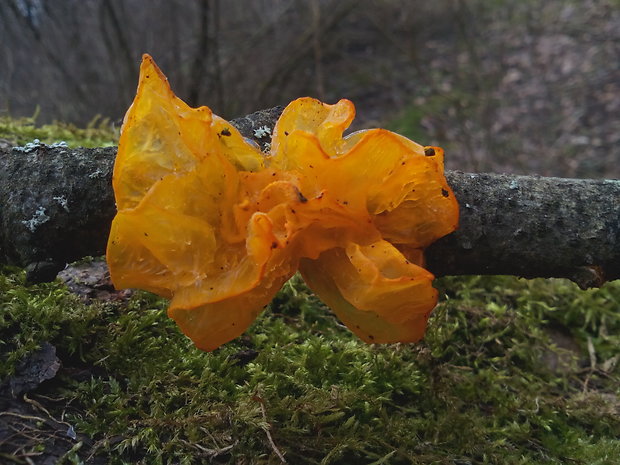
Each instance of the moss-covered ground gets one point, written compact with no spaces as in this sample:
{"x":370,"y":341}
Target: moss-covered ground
{"x":511,"y":371}
{"x":20,"y":131}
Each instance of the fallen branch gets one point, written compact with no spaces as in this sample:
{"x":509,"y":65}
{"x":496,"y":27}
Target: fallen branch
{"x":56,"y":206}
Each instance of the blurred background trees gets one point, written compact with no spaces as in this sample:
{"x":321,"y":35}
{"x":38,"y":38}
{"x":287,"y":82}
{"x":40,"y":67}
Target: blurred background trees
{"x":504,"y":85}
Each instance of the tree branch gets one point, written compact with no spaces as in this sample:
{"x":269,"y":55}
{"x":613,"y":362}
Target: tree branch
{"x":56,"y":206}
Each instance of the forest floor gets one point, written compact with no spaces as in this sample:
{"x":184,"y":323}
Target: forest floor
{"x":521,"y":89}
{"x":510,"y":372}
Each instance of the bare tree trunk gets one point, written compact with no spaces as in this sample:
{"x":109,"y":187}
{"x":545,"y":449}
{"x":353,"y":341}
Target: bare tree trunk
{"x":201,"y":56}
{"x":117,"y":44}
{"x":315,"y":7}
{"x":304,"y":47}
{"x":56,"y":206}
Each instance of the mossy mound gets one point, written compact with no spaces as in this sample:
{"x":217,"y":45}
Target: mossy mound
{"x":511,"y":371}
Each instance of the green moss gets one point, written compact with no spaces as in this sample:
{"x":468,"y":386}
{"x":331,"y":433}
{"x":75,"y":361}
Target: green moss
{"x":478,"y":389}
{"x":409,"y":122}
{"x":19,"y":131}
{"x":31,"y":315}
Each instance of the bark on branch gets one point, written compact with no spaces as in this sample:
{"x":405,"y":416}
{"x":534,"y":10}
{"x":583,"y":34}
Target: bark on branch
{"x":56,"y":206}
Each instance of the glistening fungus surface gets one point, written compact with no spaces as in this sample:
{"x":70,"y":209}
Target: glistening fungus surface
{"x":208,"y":220}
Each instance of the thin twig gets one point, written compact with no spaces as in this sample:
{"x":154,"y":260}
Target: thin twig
{"x":38,"y":406}
{"x":23,"y":417}
{"x":261,"y":403}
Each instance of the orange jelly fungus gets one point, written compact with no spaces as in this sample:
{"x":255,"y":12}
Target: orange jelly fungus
{"x":210,"y":222}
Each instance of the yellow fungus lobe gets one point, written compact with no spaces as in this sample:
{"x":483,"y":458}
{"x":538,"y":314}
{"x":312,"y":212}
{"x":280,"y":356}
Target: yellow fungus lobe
{"x":208,"y":221}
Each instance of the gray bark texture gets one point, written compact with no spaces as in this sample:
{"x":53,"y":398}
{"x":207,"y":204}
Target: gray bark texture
{"x":57,"y":204}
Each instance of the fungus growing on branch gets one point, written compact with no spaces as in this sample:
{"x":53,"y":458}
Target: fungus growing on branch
{"x":210,"y":222}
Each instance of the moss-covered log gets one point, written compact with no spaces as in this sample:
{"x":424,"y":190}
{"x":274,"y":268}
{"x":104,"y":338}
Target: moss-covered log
{"x":56,"y":206}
